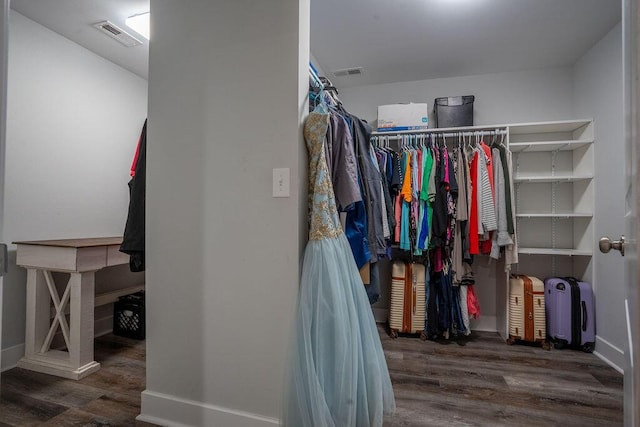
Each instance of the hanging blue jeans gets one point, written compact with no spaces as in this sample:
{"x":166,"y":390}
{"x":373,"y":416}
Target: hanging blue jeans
{"x":444,"y":302}
{"x":457,"y":326}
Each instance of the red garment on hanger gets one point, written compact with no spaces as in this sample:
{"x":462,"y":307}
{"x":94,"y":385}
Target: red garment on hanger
{"x":135,"y":159}
{"x":474,"y":248}
{"x":485,"y":245}
{"x":473,"y":306}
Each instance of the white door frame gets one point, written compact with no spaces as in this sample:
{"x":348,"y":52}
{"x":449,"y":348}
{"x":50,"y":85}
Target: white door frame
{"x":631,"y":72}
{"x":4,"y":51}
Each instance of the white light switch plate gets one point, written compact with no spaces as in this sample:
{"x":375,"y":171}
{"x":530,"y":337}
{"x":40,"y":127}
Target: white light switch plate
{"x":281,"y":182}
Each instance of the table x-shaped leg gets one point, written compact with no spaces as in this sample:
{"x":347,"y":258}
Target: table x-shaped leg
{"x":78,"y":295}
{"x":59,"y":319}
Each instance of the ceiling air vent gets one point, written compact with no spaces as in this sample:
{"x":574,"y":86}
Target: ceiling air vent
{"x":356,"y":71}
{"x":117,"y":33}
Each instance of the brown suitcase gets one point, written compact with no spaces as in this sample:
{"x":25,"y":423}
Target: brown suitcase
{"x":407,"y":311}
{"x":527,"y":310}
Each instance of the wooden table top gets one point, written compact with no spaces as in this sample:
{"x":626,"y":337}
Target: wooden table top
{"x":75,"y":243}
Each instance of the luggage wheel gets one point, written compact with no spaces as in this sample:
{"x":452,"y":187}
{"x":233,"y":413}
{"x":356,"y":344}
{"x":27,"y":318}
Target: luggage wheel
{"x":510,"y":341}
{"x":546,"y":345}
{"x":393,"y":333}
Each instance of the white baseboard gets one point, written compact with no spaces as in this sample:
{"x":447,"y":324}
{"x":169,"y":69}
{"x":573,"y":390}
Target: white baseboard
{"x":10,"y":357}
{"x":610,"y":354}
{"x":172,"y":411}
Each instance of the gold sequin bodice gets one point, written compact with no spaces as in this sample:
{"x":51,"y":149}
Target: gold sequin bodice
{"x":324,"y":220}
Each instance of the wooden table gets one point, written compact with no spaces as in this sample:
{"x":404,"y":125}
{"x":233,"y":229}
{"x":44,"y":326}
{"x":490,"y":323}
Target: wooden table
{"x":81,"y":258}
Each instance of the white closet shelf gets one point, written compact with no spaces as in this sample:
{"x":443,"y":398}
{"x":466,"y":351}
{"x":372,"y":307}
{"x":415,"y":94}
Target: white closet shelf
{"x":555,"y":215}
{"x":547,"y":127}
{"x":554,"y":251}
{"x":552,"y":178}
{"x":463,"y":129}
{"x":517,"y":147}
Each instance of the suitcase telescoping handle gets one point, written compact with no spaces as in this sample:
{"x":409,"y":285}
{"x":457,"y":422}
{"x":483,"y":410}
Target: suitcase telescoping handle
{"x":583,"y":303}
{"x":577,"y":311}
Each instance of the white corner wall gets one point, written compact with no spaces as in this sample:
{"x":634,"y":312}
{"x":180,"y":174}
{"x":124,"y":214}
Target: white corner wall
{"x":597,"y":93}
{"x":73,"y":121}
{"x":227,"y":88}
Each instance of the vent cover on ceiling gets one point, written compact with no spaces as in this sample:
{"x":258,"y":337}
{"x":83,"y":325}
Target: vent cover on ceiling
{"x":348,"y":72}
{"x":117,"y":33}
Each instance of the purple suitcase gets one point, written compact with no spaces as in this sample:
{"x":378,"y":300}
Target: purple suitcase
{"x":570,"y":313}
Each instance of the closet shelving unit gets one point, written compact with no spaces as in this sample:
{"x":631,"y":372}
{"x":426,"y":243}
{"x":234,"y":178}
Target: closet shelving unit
{"x":553,"y":176}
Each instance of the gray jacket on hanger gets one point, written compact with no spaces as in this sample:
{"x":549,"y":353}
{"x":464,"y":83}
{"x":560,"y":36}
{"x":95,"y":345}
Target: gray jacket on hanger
{"x":371,"y":185}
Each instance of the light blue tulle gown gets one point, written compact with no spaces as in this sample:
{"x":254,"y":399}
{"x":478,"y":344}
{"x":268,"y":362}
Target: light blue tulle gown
{"x":338,"y":375}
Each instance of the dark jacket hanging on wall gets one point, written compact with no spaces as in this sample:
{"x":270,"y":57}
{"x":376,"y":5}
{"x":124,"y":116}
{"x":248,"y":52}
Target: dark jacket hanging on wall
{"x":133,"y":241}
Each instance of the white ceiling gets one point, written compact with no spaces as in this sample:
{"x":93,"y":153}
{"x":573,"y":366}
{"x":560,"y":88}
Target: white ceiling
{"x":74,"y":19}
{"x":393,"y":40}
{"x":404,"y":40}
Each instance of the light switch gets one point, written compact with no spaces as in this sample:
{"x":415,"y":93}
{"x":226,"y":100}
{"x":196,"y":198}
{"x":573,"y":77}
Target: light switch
{"x":281,"y":182}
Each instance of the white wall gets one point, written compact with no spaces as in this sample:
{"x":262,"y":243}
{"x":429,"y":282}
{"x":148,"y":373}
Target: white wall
{"x":227,"y":84}
{"x":73,"y":122}
{"x":597,"y":93}
{"x":316,"y":64}
{"x":513,"y":97}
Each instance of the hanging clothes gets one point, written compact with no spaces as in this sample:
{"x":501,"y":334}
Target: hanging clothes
{"x":371,"y":184}
{"x":444,"y":206}
{"x":474,"y":241}
{"x":501,"y":238}
{"x":134,"y":230}
{"x":462,"y":215}
{"x":338,"y":372}
{"x":511,"y":251}
{"x":342,"y":163}
{"x":347,"y":185}
{"x":450,"y":205}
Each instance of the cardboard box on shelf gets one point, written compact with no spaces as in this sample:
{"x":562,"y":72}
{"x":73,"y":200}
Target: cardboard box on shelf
{"x":399,"y":117}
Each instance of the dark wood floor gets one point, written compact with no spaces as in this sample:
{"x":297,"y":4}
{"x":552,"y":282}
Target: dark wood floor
{"x":479,"y":381}
{"x":109,"y":397}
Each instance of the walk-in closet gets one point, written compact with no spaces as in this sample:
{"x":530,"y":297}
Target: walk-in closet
{"x":550,"y":121}
{"x":308,"y":259}
{"x":541,"y":113}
